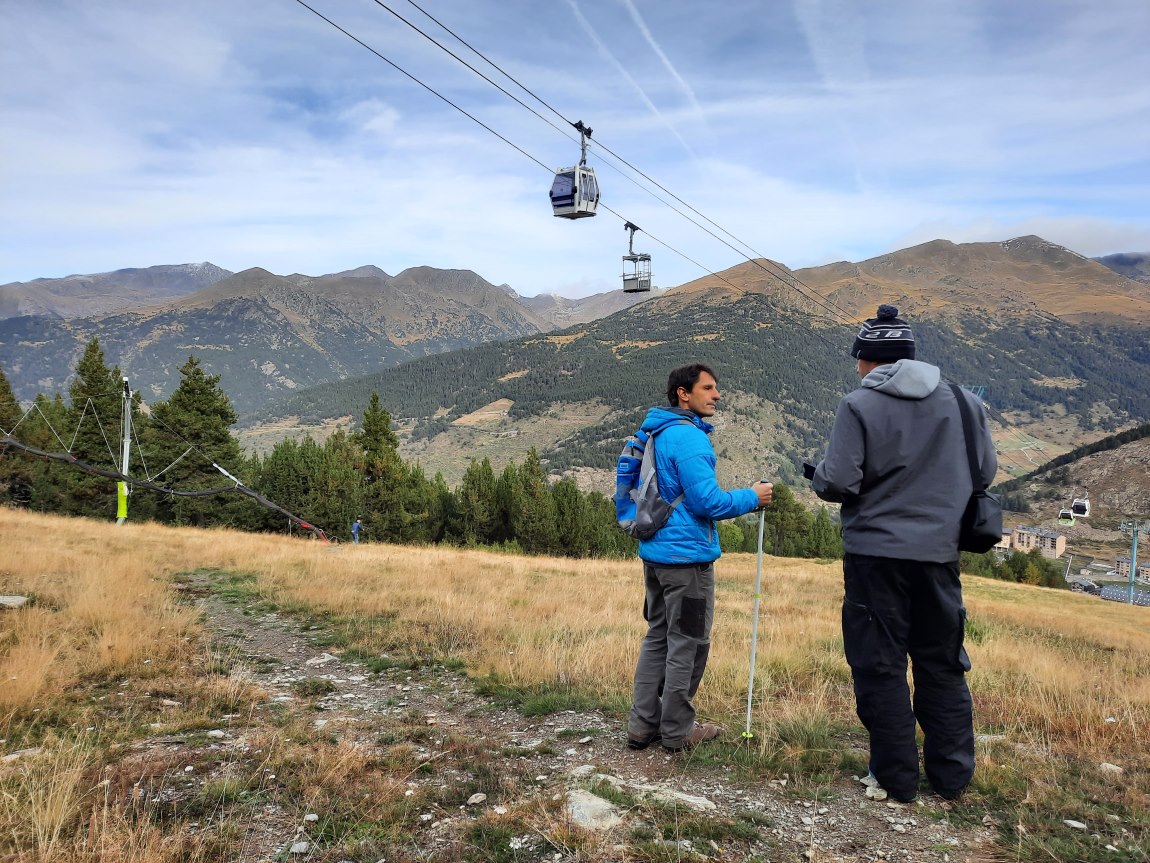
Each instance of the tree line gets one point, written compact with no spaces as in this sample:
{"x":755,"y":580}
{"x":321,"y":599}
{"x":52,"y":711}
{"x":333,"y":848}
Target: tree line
{"x":178,"y":443}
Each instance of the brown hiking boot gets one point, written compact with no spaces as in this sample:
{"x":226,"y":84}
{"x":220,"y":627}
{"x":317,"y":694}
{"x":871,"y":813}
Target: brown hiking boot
{"x":700,"y":734}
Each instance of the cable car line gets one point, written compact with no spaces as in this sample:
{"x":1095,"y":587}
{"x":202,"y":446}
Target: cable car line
{"x":778,"y":309}
{"x":8,"y":440}
{"x":787,"y":278}
{"x":471,"y":117}
{"x":135,"y":482}
{"x":428,"y":88}
{"x":443,"y":47}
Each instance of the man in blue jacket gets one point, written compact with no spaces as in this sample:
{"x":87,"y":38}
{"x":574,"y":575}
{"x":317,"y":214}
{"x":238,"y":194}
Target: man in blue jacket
{"x":678,"y":565}
{"x":897,"y":463}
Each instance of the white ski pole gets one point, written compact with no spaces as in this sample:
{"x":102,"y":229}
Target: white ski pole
{"x":755,"y":621}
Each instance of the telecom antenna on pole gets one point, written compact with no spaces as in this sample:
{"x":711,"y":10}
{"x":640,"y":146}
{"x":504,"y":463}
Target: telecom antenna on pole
{"x":1134,"y":528}
{"x":125,"y":452}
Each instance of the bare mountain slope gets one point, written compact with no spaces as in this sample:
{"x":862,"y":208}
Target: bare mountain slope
{"x":267,"y":335}
{"x":105,"y":293}
{"x":564,"y":312}
{"x":1023,"y":276}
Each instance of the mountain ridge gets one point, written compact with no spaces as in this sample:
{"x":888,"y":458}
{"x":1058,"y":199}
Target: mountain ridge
{"x":1067,"y":380}
{"x":78,"y":296}
{"x":267,"y":334}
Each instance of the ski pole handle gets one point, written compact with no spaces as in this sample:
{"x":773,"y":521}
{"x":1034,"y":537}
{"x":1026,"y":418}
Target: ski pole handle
{"x":761,"y":507}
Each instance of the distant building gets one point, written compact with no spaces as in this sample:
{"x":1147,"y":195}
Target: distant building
{"x":1007,"y":539}
{"x":1050,"y":543}
{"x":1123,"y":569}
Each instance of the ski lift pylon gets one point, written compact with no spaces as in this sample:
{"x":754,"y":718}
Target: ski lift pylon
{"x":575,"y":191}
{"x":636,"y":266}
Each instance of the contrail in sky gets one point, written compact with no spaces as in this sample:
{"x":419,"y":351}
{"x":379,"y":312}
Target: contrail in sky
{"x":586,"y":25}
{"x":642,"y":25}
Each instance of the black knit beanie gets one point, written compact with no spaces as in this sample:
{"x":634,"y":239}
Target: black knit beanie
{"x":885,"y":338}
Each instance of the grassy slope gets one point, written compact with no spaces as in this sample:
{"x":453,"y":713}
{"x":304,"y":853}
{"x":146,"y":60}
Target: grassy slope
{"x":1059,"y":681}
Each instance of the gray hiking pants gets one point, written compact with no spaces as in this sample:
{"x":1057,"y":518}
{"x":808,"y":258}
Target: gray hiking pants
{"x":679,"y":609}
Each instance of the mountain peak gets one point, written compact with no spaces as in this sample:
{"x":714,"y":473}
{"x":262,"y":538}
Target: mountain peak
{"x":367,"y":271}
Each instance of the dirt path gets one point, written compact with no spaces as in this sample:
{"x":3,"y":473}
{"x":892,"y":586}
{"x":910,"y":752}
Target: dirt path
{"x":531,"y":764}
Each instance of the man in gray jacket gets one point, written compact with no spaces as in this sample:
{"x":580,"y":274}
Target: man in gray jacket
{"x":897,"y":463}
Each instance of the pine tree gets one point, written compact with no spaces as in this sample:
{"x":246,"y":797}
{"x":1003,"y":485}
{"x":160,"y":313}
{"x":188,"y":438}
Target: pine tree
{"x":533,"y":520}
{"x":15,"y":466}
{"x":476,"y":505}
{"x":376,"y":436}
{"x":199,"y":416}
{"x":49,"y":481}
{"x":280,"y":477}
{"x":10,"y":412}
{"x":787,"y":524}
{"x":508,"y":503}
{"x":94,"y":418}
{"x":824,"y":539}
{"x":572,"y":519}
{"x":336,"y":490}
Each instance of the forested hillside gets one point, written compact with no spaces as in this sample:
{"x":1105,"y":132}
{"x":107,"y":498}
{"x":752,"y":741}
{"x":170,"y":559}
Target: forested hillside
{"x":1029,"y":367}
{"x":1114,"y":473}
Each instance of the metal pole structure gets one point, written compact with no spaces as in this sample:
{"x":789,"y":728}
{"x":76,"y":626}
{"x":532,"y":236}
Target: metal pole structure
{"x":125,"y":452}
{"x":1133,"y":562}
{"x":1133,"y":527}
{"x":755,"y":621}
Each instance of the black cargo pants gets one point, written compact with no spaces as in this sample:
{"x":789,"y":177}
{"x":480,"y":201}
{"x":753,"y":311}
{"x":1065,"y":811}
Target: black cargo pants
{"x":895,"y":608}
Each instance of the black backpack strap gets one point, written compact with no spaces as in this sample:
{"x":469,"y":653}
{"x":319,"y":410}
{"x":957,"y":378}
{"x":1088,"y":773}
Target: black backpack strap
{"x":968,"y":435}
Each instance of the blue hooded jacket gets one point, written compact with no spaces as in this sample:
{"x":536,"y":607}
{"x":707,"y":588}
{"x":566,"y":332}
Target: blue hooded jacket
{"x":685,"y":461}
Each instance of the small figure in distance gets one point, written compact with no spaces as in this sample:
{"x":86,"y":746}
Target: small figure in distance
{"x":897,"y":463}
{"x":356,"y":527}
{"x":679,"y":565}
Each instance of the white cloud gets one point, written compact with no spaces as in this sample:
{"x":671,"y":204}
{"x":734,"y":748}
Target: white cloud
{"x":256,"y":135}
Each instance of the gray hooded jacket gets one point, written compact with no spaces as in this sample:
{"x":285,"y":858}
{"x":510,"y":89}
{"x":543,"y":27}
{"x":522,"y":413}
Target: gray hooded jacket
{"x":897,"y":463}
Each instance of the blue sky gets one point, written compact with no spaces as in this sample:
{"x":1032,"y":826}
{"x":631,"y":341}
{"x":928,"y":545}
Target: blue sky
{"x":255,"y":134}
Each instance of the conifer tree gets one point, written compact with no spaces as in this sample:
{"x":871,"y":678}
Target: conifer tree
{"x":476,"y":505}
{"x":787,"y":524}
{"x":280,"y":477}
{"x":49,"y":480}
{"x":15,"y":467}
{"x":533,"y":516}
{"x":606,"y":539}
{"x":573,"y":526}
{"x":336,"y":492}
{"x":198,"y":414}
{"x":94,"y":418}
{"x":376,"y":436}
{"x":824,"y":540}
{"x":10,"y":412}
{"x":508,"y":493}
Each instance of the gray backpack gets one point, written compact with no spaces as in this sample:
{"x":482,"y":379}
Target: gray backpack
{"x":639,"y":508}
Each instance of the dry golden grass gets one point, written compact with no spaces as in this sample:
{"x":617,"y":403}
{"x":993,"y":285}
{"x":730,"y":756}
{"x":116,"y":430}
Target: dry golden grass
{"x":1063,"y":677}
{"x":1048,"y":665}
{"x":101,"y":606}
